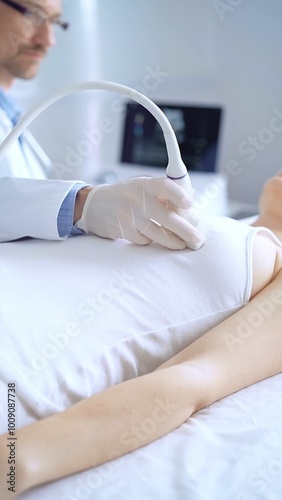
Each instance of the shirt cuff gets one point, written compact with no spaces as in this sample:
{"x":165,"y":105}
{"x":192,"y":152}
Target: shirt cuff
{"x":66,"y":213}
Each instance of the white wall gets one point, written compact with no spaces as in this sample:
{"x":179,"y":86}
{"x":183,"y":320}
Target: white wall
{"x":250,"y":42}
{"x":226,"y":53}
{"x":74,"y":59}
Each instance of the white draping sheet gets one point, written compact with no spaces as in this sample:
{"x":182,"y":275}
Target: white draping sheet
{"x":57,"y":348}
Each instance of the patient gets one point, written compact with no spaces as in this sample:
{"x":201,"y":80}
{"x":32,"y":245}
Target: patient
{"x":220,"y":362}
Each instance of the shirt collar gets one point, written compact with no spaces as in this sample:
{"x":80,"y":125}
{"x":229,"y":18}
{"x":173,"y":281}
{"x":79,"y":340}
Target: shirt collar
{"x":10,"y":106}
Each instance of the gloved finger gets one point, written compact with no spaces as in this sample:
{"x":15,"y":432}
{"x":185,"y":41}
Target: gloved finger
{"x":124,"y":231}
{"x":129,"y":232}
{"x":159,"y":235}
{"x":136,"y":237}
{"x":177,"y":224}
{"x":168,"y":191}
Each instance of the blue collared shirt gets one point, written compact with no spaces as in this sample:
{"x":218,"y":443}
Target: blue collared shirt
{"x":66,"y":212}
{"x":10,"y":107}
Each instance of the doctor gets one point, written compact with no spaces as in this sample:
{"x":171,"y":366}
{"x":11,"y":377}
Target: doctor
{"x":35,"y":205}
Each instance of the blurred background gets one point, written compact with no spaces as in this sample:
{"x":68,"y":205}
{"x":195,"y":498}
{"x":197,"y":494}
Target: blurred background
{"x":223,"y":54}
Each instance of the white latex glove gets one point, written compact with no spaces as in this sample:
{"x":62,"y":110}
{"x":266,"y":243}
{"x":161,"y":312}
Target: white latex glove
{"x":128,"y":210}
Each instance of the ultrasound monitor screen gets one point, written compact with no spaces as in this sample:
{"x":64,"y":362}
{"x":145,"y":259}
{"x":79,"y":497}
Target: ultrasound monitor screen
{"x":196,"y":128}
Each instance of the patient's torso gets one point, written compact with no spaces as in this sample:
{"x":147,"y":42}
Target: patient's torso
{"x":87,"y":312}
{"x":266,"y":259}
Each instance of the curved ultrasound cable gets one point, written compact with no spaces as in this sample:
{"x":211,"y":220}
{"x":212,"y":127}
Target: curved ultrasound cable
{"x":176,"y":169}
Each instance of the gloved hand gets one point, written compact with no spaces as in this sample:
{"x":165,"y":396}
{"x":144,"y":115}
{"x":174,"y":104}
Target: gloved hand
{"x":141,"y":210}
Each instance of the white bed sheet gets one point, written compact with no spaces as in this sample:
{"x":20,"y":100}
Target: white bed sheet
{"x":231,"y":450}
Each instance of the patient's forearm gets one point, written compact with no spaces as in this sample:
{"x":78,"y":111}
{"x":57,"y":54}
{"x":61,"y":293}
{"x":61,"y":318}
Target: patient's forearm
{"x":111,"y":423}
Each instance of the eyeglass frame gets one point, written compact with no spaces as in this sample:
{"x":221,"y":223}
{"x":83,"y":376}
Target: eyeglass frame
{"x":26,"y":11}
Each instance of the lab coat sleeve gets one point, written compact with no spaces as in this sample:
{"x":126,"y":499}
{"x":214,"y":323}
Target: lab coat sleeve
{"x":30,"y":207}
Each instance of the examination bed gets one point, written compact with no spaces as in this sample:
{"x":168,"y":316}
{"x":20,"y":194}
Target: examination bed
{"x":55,"y":346}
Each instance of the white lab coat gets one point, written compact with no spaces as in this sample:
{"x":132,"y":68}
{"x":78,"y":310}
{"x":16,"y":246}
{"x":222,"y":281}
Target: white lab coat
{"x":29,"y":201}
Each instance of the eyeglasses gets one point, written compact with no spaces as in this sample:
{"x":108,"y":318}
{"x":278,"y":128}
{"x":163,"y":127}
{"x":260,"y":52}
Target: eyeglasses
{"x":37,"y":17}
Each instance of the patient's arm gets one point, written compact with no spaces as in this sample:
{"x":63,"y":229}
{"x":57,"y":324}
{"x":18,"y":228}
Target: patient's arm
{"x":231,"y":356}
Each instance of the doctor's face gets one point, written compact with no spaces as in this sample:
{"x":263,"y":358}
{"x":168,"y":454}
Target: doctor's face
{"x":25,"y":37}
